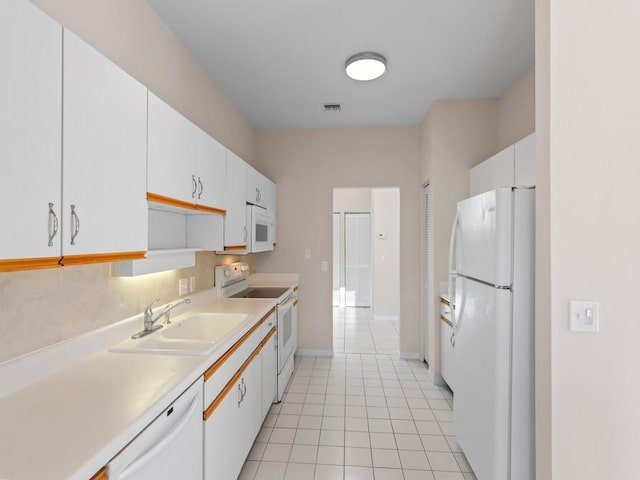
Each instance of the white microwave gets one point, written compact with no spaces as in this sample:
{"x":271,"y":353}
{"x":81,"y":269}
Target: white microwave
{"x":259,"y":229}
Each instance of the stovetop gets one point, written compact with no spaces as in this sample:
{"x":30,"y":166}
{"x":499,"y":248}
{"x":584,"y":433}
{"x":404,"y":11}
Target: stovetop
{"x":261,"y":292}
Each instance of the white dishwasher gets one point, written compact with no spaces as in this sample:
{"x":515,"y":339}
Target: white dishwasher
{"x":170,"y":447}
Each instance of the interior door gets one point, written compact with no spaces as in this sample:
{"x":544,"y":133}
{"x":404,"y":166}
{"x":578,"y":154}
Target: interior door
{"x":336,"y":259}
{"x":426,"y":292}
{"x":358,"y":259}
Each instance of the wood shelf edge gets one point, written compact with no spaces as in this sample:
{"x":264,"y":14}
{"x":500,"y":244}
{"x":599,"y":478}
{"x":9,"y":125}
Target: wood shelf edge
{"x":20,"y":264}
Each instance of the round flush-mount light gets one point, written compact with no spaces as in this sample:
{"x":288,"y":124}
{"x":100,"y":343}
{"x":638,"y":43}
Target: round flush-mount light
{"x":366,"y":66}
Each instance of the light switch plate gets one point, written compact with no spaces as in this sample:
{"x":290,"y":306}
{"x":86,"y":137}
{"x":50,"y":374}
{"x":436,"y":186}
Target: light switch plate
{"x":584,"y":317}
{"x":183,"y":286}
{"x":192,"y":284}
{"x":324,"y":266}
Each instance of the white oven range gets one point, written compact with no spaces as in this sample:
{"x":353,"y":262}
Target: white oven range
{"x":232,"y":281}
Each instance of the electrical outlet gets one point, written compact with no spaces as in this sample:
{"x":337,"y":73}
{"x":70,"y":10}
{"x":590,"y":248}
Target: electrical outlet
{"x":192,"y":284}
{"x":183,"y":286}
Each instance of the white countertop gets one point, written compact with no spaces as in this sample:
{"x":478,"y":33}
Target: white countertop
{"x":70,"y":423}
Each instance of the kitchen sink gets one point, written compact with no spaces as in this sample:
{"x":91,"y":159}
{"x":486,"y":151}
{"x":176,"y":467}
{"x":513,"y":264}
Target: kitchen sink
{"x":209,"y":327}
{"x":188,"y":334}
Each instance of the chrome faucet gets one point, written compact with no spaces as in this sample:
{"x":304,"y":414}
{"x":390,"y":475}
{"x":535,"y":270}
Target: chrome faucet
{"x":149,"y":319}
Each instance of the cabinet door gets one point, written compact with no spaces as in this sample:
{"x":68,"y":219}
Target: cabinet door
{"x":235,"y":222}
{"x":446,"y":353}
{"x":229,"y":431}
{"x":252,"y":187}
{"x":172,"y":152}
{"x":211,"y":158}
{"x":104,"y":160}
{"x":269,"y":374}
{"x":525,"y":161}
{"x":30,"y":133}
{"x":497,"y":171}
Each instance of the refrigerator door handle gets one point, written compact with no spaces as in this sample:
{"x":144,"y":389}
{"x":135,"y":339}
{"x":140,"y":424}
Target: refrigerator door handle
{"x":452,"y":270}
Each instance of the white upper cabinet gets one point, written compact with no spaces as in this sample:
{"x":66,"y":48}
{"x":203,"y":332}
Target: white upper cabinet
{"x":515,"y":165}
{"x":185,"y":165}
{"x":172,"y":153}
{"x":30,"y":136}
{"x":211,"y":164}
{"x":104,"y":155}
{"x":525,"y":161}
{"x":259,"y":189}
{"x":497,"y":171}
{"x":235,"y":222}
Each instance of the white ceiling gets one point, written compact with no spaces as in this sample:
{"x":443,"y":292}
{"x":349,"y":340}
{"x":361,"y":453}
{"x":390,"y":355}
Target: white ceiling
{"x":279,"y":61}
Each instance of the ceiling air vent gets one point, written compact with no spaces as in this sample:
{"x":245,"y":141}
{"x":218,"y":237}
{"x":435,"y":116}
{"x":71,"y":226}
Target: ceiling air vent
{"x":332,"y":107}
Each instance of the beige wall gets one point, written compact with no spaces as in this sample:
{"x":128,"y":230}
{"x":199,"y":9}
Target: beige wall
{"x":590,"y":106}
{"x":39,"y":308}
{"x":385,"y":253}
{"x":131,"y":35}
{"x":516,"y":111}
{"x":307,"y":164}
{"x":456,"y":134}
{"x":42,"y":307}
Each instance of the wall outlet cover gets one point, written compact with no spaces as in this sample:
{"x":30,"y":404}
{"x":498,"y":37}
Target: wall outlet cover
{"x":183,"y":286}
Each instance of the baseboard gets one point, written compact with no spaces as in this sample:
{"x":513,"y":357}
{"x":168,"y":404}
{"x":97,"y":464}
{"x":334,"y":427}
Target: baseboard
{"x":386,"y":318}
{"x":306,"y":352}
{"x":410,"y":356}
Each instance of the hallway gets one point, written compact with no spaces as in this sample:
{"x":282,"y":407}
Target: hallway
{"x":355,"y":331}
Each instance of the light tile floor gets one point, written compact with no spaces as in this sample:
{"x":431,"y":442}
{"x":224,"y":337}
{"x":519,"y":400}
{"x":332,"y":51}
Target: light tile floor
{"x":355,"y":331}
{"x":358,"y":417}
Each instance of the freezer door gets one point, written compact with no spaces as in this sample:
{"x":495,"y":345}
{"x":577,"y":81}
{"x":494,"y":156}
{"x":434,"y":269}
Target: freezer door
{"x":481,"y":403}
{"x":484,"y":238}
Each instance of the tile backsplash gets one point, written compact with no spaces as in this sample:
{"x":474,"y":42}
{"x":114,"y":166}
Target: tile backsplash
{"x":42,"y":307}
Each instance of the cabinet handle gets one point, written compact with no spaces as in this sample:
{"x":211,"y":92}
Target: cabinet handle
{"x":244,"y":388}
{"x":245,"y":233}
{"x":75,"y":224}
{"x":452,"y":340}
{"x":194,"y":185}
{"x":53,"y":224}
{"x":201,"y":188}
{"x":240,"y":396}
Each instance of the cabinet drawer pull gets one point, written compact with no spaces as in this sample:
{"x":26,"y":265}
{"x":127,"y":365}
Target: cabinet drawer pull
{"x":452,"y":340}
{"x":201,"y":188}
{"x":53,"y":224}
{"x":240,"y":396}
{"x":75,"y":224}
{"x":194,"y":184}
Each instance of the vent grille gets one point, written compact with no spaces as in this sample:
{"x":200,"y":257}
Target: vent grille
{"x":332,"y":107}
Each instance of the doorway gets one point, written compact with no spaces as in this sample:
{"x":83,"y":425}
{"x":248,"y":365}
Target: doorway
{"x":366,"y":270}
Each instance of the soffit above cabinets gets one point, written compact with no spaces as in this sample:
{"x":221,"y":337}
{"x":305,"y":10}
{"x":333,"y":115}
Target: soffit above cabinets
{"x":280,"y":62}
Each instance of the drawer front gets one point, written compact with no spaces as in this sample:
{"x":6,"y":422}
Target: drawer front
{"x":229,"y":366}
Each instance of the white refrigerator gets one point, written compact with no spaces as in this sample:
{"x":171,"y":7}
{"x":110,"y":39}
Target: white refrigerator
{"x":492,"y":281}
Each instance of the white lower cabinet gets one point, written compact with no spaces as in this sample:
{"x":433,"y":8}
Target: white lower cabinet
{"x":269,"y":357}
{"x":232,"y":427}
{"x":239,"y":390}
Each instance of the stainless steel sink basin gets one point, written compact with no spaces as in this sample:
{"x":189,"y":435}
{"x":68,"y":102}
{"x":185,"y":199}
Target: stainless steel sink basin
{"x":188,"y":334}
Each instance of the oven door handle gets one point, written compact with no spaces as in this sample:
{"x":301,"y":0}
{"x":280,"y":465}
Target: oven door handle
{"x":287,"y":301}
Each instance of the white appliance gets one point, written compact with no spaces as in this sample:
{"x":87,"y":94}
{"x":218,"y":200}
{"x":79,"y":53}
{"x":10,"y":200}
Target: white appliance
{"x":492,"y":282}
{"x":170,"y":447}
{"x":287,"y":340}
{"x":260,"y":232}
{"x":232,"y":281}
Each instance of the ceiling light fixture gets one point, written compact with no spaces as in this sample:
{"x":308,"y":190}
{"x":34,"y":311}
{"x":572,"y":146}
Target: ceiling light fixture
{"x":366,"y":66}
